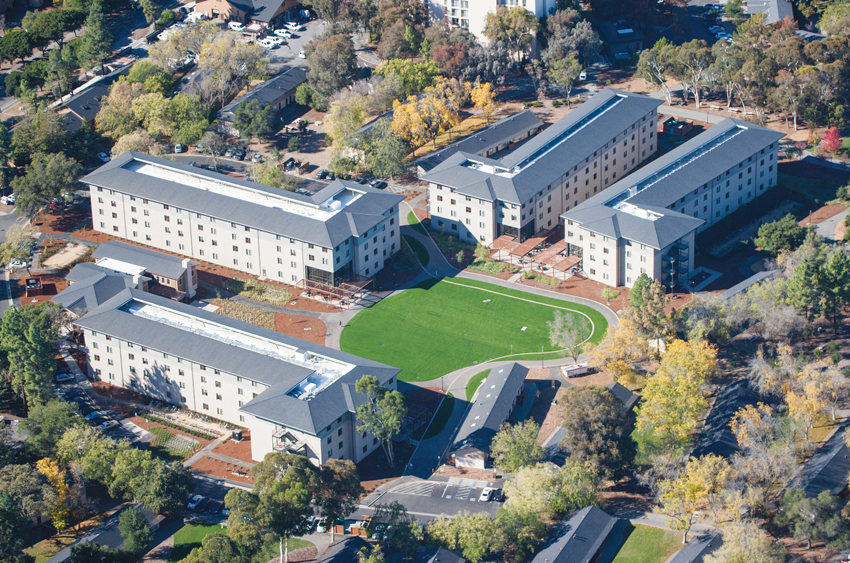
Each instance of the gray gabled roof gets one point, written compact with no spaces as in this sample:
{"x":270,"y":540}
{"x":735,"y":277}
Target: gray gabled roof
{"x":697,"y":549}
{"x":606,"y":114}
{"x":777,"y":10}
{"x":485,"y":140}
{"x":578,"y":539}
{"x":610,"y":222}
{"x":354,"y":220}
{"x":265,"y":10}
{"x":827,"y":469}
{"x":269,"y":91}
{"x":345,"y":551}
{"x":93,"y":285}
{"x":152,"y":261}
{"x":273,"y":404}
{"x":492,"y":406}
{"x":440,"y":555}
{"x":624,"y":394}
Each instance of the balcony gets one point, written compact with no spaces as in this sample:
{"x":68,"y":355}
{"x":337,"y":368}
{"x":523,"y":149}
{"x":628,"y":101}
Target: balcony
{"x":284,"y":441}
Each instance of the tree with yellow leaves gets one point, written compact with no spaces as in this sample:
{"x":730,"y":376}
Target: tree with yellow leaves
{"x":60,"y":515}
{"x":483,"y":99}
{"x":698,"y":485}
{"x":673,"y":401}
{"x":615,"y":353}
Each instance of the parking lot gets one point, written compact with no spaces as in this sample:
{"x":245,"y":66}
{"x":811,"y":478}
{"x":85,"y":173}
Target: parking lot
{"x":429,"y":499}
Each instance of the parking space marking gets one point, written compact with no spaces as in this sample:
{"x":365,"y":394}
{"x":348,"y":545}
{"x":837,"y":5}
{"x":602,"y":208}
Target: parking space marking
{"x":463,"y":493}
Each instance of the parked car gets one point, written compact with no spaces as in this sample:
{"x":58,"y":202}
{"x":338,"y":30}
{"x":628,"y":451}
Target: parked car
{"x":103,"y":156}
{"x":236,"y":26}
{"x":229,"y":152}
{"x":285,"y":33}
{"x":486,"y":495}
{"x":582,"y":76}
{"x":267,"y":44}
{"x":257,"y":157}
{"x":498,"y":496}
{"x":378,"y":184}
{"x":239,"y":154}
{"x":64,"y":377}
{"x":194,"y":501}
{"x":321,"y":174}
{"x":301,"y":54}
{"x":107,"y":425}
{"x":95,"y":414}
{"x":215,"y":507}
{"x":292,"y":26}
{"x":18,"y":265}
{"x":178,"y":148}
{"x":202,"y":505}
{"x":331,"y":175}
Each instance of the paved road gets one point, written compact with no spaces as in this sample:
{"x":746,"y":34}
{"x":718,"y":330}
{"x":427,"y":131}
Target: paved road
{"x":427,"y":500}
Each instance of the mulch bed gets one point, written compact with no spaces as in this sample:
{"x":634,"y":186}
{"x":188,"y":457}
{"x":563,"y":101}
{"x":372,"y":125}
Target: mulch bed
{"x":420,"y":213}
{"x":298,"y":555}
{"x":297,"y":325}
{"x":822,"y":214}
{"x":219,"y":468}
{"x":238,"y":450}
{"x":51,"y":285}
{"x":217,"y":275}
{"x":54,"y":223}
{"x":114,"y":392}
{"x":81,"y":359}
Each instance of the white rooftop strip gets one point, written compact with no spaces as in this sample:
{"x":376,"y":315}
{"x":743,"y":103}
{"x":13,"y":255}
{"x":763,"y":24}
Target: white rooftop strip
{"x":322,"y":212}
{"x":120,"y":266}
{"x":637,"y":211}
{"x":327,"y":370}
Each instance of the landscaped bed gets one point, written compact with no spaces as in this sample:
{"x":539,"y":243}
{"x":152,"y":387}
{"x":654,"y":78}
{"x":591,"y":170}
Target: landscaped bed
{"x":245,"y":313}
{"x":440,"y":326}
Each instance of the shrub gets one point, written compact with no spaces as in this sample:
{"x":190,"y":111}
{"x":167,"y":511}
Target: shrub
{"x":538,"y":104}
{"x":492,"y":267}
{"x":294,"y":143}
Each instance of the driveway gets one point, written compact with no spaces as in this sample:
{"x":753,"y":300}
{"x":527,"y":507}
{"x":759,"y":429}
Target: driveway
{"x":427,"y":500}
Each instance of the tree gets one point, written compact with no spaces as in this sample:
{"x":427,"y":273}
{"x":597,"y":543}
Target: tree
{"x":28,"y":336}
{"x":475,"y":535}
{"x":96,"y":45}
{"x":374,"y":556}
{"x":382,"y":415}
{"x":59,"y":512}
{"x":270,"y":174}
{"x":294,"y":143}
{"x":547,"y":490}
{"x":810,"y":518}
{"x":188,"y":118}
{"x":116,"y":117}
{"x":15,"y":44}
{"x":698,"y":485}
{"x":646,"y":313}
{"x":13,"y":531}
{"x":29,"y":490}
{"x":782,"y":234}
{"x":48,"y":176}
{"x":735,"y":10}
{"x":483,"y":99}
{"x":225,"y":66}
{"x":515,"y":447}
{"x":346,"y":115}
{"x":165,"y":488}
{"x":520,"y":532}
{"x":135,"y":530}
{"x":214,"y":145}
{"x":332,"y":63}
{"x":514,"y":26}
{"x":16,"y":245}
{"x":568,"y":332}
{"x":62,"y":70}
{"x":91,"y":552}
{"x":254,"y":120}
{"x":151,"y":111}
{"x":831,"y":142}
{"x":746,"y":541}
{"x":596,"y":429}
{"x":339,"y":490}
{"x":47,"y":133}
{"x":91,"y":450}
{"x":655,"y":65}
{"x":129,"y":472}
{"x":834,"y":285}
{"x":383,"y":153}
{"x":151,"y":10}
{"x":139,"y":141}
{"x":673,"y":401}
{"x":617,"y":351}
{"x":327,"y":10}
{"x":415,"y":77}
{"x":693,"y":61}
{"x":284,"y":489}
{"x":563,"y":73}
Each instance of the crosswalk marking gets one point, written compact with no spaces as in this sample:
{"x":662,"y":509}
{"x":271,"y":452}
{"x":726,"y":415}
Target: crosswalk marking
{"x":418,"y":488}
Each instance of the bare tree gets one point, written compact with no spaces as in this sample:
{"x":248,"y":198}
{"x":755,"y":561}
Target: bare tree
{"x":568,"y":332}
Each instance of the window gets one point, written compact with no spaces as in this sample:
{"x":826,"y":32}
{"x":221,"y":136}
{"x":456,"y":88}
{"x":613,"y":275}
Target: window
{"x":205,"y":406}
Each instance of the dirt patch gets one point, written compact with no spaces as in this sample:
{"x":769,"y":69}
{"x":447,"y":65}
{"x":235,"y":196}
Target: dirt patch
{"x":310,"y":329}
{"x":466,"y":473}
{"x":589,"y":289}
{"x":108,"y":391}
{"x":74,"y":218}
{"x":238,"y":450}
{"x":420,"y":213}
{"x":224,"y":469}
{"x":822,"y":214}
{"x":71,"y":252}
{"x":298,"y":555}
{"x":375,"y":470}
{"x":82,"y":360}
{"x":50,"y":284}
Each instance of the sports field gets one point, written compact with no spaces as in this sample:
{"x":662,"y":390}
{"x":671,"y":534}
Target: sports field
{"x":440,"y":326}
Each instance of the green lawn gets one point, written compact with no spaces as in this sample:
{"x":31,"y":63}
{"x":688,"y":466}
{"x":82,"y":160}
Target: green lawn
{"x":190,"y":536}
{"x":814,"y":190}
{"x":441,"y":326}
{"x":413,"y":221}
{"x":418,"y":249}
{"x":648,"y":545}
{"x":474,"y":384}
{"x":441,"y":417}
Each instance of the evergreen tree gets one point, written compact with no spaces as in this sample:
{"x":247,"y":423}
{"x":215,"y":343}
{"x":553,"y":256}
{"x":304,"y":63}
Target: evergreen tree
{"x":97,"y":42}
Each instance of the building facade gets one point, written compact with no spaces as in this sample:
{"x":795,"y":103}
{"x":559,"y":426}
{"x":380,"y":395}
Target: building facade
{"x":645,"y":224}
{"x":471,"y":15}
{"x":294,"y":396}
{"x":342,"y":232}
{"x":591,"y":148}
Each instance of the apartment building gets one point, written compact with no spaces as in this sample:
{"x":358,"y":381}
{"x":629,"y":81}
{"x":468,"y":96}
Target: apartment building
{"x":591,"y":148}
{"x":471,"y":15}
{"x":294,"y":396}
{"x":342,"y":232}
{"x":646,"y":223}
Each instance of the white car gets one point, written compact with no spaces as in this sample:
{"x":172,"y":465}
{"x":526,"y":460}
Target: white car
{"x":486,"y":495}
{"x":194,"y":502}
{"x":103,"y":156}
{"x":18,"y":265}
{"x":301,"y":54}
{"x":11,"y":198}
{"x":236,"y":26}
{"x":107,"y":425}
{"x":267,"y":43}
{"x":294,"y":26}
{"x":277,"y":40}
{"x":582,"y":76}
{"x":283,"y":33}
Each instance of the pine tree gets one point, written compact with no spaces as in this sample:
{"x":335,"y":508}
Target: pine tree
{"x":97,"y":42}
